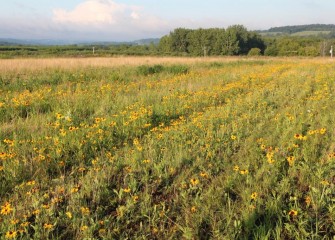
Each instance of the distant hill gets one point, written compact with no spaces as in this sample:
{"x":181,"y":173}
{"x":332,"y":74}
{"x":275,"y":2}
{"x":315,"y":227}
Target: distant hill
{"x":147,"y":41}
{"x":302,"y":28}
{"x":325,"y":30}
{"x":50,"y":42}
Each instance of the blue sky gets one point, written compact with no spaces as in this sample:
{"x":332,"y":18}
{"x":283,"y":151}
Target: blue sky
{"x":116,"y":20}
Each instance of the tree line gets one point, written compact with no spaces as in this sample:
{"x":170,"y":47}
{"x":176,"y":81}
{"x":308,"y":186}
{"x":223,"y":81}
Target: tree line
{"x":301,"y":28}
{"x":232,"y":41}
{"x":237,"y":40}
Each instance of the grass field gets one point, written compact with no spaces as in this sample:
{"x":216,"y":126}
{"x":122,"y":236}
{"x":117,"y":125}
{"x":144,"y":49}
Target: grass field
{"x":310,"y":33}
{"x":297,"y":34}
{"x":167,"y":148}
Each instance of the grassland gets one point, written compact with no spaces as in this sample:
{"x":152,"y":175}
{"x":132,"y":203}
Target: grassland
{"x":156,"y":148}
{"x":296,"y":34}
{"x":310,"y":33}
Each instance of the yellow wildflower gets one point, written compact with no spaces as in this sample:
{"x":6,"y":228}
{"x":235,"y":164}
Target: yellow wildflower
{"x":194,"y":181}
{"x":83,"y":228}
{"x":323,"y":131}
{"x":308,"y":200}
{"x":146,"y":161}
{"x":85,"y":210}
{"x":68,"y":214}
{"x":293,"y":213}
{"x":25,"y":224}
{"x":325,"y":183}
{"x":6,"y":209}
{"x":102,"y":231}
{"x":253,"y":196}
{"x":48,"y":226}
{"x":290,"y":160}
{"x":10,"y":234}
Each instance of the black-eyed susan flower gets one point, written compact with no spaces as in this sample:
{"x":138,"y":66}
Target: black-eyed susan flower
{"x":146,"y":161}
{"x":85,"y":210}
{"x":135,"y":198}
{"x":25,"y":224}
{"x":322,"y":131}
{"x":293,"y":213}
{"x":83,"y":228}
{"x":36,"y":212}
{"x":297,"y":136}
{"x":68,"y":214}
{"x":74,"y":189}
{"x":253,"y":196}
{"x":6,"y":209}
{"x":10,"y":234}
{"x":3,"y":155}
{"x":311,"y":132}
{"x":48,"y":226}
{"x":194,"y":181}
{"x":14,"y":221}
{"x":290,"y":160}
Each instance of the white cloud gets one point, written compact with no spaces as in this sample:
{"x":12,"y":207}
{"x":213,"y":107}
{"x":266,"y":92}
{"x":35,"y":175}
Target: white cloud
{"x":110,"y":19}
{"x":135,"y":15}
{"x":92,"y":12}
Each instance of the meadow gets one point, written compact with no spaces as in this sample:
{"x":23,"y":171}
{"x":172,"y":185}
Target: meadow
{"x":167,"y":148}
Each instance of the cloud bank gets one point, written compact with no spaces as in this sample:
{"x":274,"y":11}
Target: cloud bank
{"x":109,"y":18}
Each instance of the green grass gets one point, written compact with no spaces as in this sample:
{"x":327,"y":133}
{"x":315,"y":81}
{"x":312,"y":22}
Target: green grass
{"x":223,"y":150}
{"x":297,"y":34}
{"x":310,"y":33}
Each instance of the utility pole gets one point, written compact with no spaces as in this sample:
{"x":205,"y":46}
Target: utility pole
{"x":93,"y":50}
{"x":331,"y":51}
{"x":205,"y":51}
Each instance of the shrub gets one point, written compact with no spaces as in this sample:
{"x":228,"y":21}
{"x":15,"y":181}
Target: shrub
{"x":149,"y":70}
{"x":177,"y":69}
{"x":254,"y":52}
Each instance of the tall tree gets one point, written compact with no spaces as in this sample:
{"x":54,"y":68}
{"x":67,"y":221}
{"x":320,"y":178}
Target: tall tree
{"x":179,"y":40}
{"x":165,"y":44}
{"x":230,"y":42}
{"x":200,"y":42}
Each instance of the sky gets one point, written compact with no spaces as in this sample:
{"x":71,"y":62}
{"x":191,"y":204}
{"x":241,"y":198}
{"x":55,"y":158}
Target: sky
{"x":127,"y":20}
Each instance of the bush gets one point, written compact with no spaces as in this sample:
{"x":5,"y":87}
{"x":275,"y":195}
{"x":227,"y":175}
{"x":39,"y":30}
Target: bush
{"x":146,"y":70}
{"x":177,"y":69}
{"x":254,"y":52}
{"x":149,"y":70}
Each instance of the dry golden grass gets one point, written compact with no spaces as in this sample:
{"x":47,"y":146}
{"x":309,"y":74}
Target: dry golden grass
{"x":35,"y":64}
{"x":72,"y":63}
